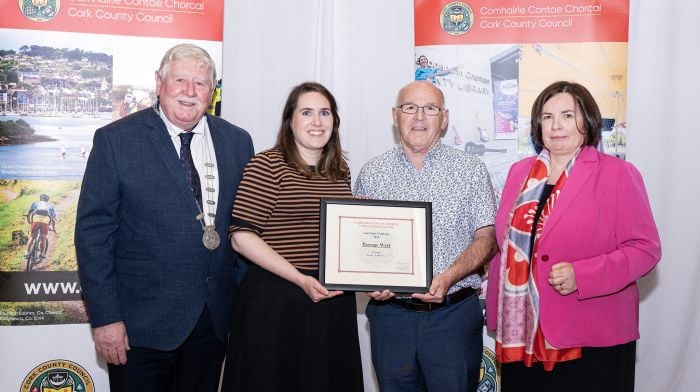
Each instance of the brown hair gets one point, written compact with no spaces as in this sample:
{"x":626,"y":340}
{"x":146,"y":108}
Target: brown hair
{"x":592,"y":121}
{"x":332,"y":163}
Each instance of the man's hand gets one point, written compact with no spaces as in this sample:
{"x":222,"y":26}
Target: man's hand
{"x":111,"y":342}
{"x":438,"y":288}
{"x":381,"y":295}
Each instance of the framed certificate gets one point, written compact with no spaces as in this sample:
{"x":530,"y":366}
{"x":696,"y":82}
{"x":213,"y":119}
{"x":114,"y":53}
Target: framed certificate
{"x":369,"y":245}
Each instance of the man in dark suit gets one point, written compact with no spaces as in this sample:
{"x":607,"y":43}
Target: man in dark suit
{"x":156,"y":199}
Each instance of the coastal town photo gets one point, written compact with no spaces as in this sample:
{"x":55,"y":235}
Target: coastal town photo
{"x":52,"y":98}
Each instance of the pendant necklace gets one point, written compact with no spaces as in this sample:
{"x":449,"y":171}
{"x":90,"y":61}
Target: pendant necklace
{"x":210,"y":238}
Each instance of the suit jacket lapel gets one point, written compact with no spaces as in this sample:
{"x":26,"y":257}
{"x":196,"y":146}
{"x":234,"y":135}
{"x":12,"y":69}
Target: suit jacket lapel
{"x":586,"y":164}
{"x":160,"y":138}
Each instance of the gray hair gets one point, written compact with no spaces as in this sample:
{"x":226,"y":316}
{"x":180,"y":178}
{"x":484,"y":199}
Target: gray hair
{"x":188,"y":52}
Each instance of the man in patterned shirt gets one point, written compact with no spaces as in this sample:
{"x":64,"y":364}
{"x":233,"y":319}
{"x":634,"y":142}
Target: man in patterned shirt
{"x":432,"y":341}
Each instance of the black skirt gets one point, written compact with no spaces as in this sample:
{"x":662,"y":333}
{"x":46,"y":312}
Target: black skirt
{"x":281,"y":341}
{"x":599,"y":369}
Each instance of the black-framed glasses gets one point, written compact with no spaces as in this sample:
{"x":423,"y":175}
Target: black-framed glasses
{"x":412,"y":108}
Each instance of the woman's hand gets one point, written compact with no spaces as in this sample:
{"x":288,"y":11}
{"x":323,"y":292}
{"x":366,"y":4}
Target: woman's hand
{"x":562,"y":278}
{"x":315,"y":290}
{"x":259,"y":252}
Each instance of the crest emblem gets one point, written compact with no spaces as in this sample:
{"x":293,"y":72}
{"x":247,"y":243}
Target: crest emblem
{"x":39,"y":10}
{"x":456,"y":18}
{"x":489,"y":378}
{"x":58,"y":375}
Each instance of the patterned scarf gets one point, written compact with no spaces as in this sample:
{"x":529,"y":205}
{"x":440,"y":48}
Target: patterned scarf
{"x":518,"y":335}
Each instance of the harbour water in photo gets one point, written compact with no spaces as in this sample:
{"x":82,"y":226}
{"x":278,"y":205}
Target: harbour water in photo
{"x":62,"y":158}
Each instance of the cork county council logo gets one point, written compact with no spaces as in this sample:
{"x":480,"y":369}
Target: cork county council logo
{"x":39,"y":10}
{"x":58,"y":375}
{"x":456,"y":18}
{"x":488,"y":380}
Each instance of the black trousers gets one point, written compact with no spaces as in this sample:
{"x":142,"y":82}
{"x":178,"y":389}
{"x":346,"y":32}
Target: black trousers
{"x":194,"y":366}
{"x":600,"y":369}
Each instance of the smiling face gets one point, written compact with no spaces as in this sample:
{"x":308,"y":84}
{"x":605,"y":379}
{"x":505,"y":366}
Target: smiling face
{"x":419,"y":132}
{"x":563,"y":127}
{"x":312,"y":125}
{"x":423,"y":61}
{"x":184,"y":92}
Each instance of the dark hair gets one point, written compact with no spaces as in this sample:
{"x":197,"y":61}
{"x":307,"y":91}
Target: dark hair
{"x":332,"y":163}
{"x":592,"y":121}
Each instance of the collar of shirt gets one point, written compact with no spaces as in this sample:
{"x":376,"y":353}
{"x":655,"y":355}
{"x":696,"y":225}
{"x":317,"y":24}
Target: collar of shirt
{"x":174,"y":130}
{"x":433,"y":153}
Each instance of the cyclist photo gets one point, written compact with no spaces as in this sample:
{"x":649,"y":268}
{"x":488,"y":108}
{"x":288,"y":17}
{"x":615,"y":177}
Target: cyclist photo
{"x":42,"y":217}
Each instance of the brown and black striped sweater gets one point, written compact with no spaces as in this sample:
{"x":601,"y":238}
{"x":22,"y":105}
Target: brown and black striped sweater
{"x":282,"y":206}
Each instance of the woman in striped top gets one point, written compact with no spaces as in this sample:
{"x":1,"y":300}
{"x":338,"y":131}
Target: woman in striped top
{"x":290,"y":333}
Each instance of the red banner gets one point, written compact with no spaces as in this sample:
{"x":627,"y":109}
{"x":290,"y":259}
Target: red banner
{"x":445,"y":22}
{"x":188,"y":19}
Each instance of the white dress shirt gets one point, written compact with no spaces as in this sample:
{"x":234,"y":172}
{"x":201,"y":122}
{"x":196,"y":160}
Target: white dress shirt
{"x":202,"y":148}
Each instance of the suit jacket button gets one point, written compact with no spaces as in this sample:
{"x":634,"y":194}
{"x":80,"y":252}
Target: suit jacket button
{"x":545,"y":258}
{"x":206,"y":280}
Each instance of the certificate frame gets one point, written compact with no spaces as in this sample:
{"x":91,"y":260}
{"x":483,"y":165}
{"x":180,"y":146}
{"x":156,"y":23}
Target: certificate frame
{"x":368,"y":245}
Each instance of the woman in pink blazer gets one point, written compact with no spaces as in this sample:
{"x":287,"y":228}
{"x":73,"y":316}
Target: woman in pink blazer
{"x":575,"y":232}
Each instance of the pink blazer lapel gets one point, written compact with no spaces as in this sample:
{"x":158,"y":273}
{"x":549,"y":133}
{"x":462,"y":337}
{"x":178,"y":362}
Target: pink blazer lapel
{"x":586,"y":164}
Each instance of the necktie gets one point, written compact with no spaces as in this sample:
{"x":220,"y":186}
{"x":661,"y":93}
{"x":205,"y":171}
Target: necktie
{"x":188,"y":165}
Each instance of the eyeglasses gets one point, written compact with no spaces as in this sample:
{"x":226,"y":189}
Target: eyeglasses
{"x":412,"y":108}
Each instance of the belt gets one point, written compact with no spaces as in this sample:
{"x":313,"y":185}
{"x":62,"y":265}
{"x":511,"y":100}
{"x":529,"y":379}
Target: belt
{"x":420,"y":306}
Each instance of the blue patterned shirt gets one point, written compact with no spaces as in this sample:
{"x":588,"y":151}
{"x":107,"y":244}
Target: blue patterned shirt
{"x":456,"y":183}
